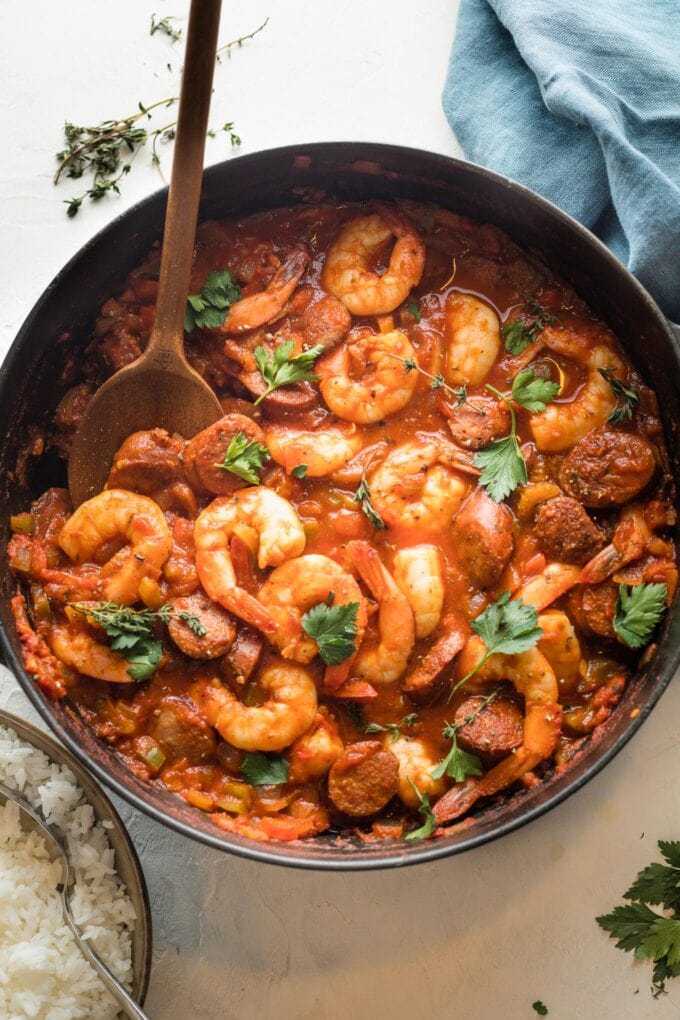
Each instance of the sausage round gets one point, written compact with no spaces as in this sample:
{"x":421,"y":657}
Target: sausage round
{"x":593,"y":608}
{"x":473,"y":429}
{"x":495,"y":732}
{"x":181,"y":730}
{"x":363,"y":779}
{"x":147,"y":461}
{"x":607,"y":468}
{"x":484,"y":538}
{"x":219,"y":626}
{"x":565,"y":532}
{"x":206,"y":451}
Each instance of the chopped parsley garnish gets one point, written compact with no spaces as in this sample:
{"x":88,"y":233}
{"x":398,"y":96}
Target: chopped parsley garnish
{"x":209,"y":309}
{"x":414,"y":310}
{"x":430,"y":822}
{"x":458,"y":764}
{"x":245,"y":458}
{"x":299,"y":471}
{"x":626,"y":399}
{"x":638,"y":610}
{"x":264,"y":769}
{"x":133,"y":633}
{"x":637,"y":928}
{"x":518,"y":334}
{"x":506,"y":628}
{"x":334,"y":628}
{"x":540,"y":1008}
{"x":532,"y":392}
{"x":278,"y":368}
{"x":363,"y":497}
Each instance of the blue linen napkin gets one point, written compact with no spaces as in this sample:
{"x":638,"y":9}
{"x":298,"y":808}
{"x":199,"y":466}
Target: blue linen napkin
{"x":580,"y":100}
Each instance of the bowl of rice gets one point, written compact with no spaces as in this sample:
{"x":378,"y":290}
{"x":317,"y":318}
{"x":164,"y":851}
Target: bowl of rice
{"x":43,"y":974}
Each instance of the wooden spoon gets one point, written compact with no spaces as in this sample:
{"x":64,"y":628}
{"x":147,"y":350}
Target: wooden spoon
{"x":160,"y":389}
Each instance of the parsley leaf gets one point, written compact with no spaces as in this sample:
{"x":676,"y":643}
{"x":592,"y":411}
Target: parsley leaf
{"x":539,"y":1007}
{"x":457,"y":764}
{"x":279,"y":369}
{"x":532,"y":392}
{"x":518,"y":335}
{"x":414,"y":310}
{"x":264,"y":769}
{"x":245,"y":458}
{"x":638,"y":610}
{"x":503,"y":467}
{"x":430,"y":823}
{"x":626,"y":399}
{"x":363,"y":497}
{"x":506,"y":628}
{"x":299,"y":471}
{"x":209,"y":309}
{"x":334,"y":628}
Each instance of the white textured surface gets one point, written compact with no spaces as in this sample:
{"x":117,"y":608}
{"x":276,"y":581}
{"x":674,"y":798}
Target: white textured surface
{"x":476,"y":936}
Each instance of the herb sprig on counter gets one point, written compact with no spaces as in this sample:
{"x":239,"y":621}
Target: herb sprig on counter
{"x":165,"y":26}
{"x":646,"y":933}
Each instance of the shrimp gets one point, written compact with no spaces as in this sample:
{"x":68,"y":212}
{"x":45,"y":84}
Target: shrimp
{"x":77,"y":648}
{"x":418,"y":572}
{"x":532,"y":675}
{"x":296,"y":587}
{"x":554,"y":581}
{"x":117,"y":515}
{"x":348,"y":272}
{"x":473,"y":340}
{"x":322,"y":452}
{"x":287,"y":713}
{"x":314,"y":752}
{"x":266,"y":523}
{"x":259,"y":309}
{"x":629,"y":543}
{"x":416,"y":762}
{"x":561,"y":425}
{"x":559,"y":644}
{"x":416,"y":485}
{"x":385,"y":662}
{"x":364,"y":381}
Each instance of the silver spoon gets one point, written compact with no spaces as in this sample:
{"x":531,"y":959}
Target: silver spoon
{"x":58,"y":848}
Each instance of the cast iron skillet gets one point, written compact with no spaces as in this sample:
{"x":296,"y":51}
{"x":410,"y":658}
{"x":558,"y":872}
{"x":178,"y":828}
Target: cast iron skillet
{"x":29,"y":394}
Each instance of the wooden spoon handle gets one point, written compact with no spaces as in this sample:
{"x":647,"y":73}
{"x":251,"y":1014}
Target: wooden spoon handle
{"x":185,"y":184}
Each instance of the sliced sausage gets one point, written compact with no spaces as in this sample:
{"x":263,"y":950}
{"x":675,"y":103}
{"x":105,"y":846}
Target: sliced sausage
{"x":495,"y":732}
{"x":565,"y":532}
{"x":219,"y":627}
{"x":455,"y":631}
{"x":593,"y":608}
{"x":181,"y":730}
{"x":476,"y":424}
{"x":245,"y":652}
{"x":287,"y":400}
{"x":483,"y":534}
{"x":607,"y":468}
{"x":363,"y":779}
{"x":206,"y":451}
{"x":325,"y":322}
{"x":147,"y":461}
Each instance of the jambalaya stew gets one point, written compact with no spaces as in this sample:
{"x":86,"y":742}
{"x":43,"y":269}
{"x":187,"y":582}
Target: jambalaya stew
{"x":414,"y":565}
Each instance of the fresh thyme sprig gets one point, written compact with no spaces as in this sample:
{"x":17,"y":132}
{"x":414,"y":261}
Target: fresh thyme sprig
{"x":165,"y":26}
{"x":238,"y":43}
{"x":438,"y":382}
{"x":459,"y":764}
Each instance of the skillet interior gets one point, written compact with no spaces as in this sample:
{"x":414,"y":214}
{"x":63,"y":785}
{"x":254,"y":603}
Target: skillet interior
{"x":353,"y":171}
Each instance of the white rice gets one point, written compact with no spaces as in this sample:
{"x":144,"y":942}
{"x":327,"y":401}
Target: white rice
{"x":43,"y":974}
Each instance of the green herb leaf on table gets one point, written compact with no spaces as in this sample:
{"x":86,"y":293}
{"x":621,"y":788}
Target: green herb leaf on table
{"x":363,"y":497}
{"x":531,"y":392}
{"x":264,"y":769}
{"x":638,"y":610}
{"x":424,"y":807}
{"x":245,"y":458}
{"x":165,"y":26}
{"x":644,"y":932}
{"x":210,"y":308}
{"x":626,"y":399}
{"x":334,"y":628}
{"x":540,"y":1008}
{"x":278,"y":368}
{"x":506,"y":628}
